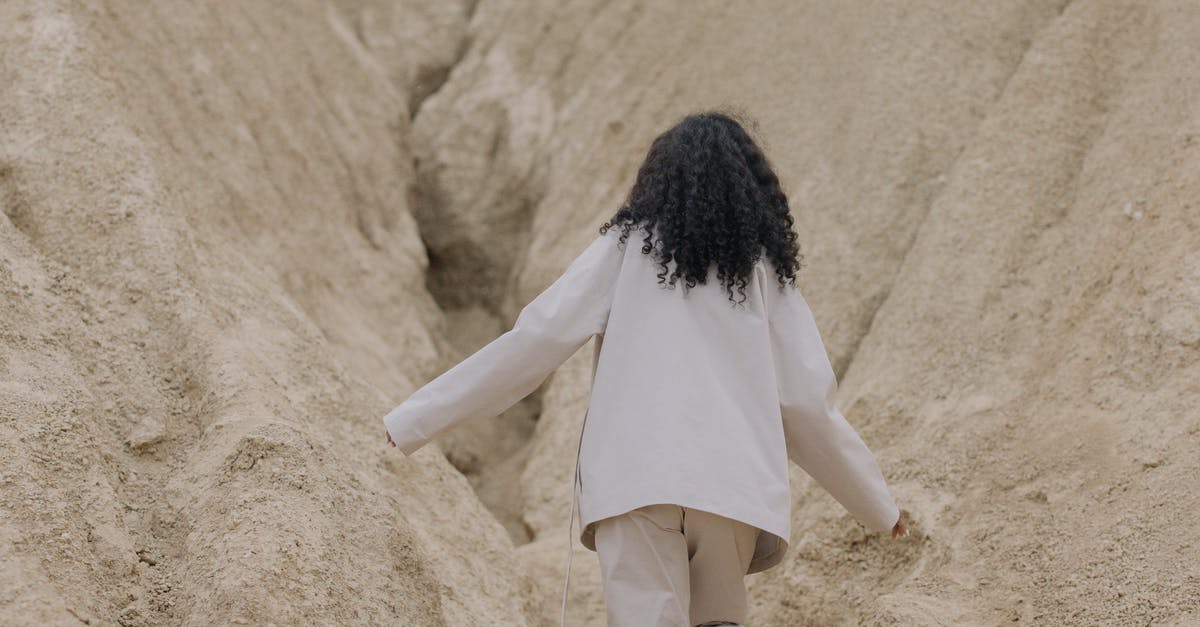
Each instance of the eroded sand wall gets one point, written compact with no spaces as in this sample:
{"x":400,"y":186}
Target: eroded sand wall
{"x":236,"y":235}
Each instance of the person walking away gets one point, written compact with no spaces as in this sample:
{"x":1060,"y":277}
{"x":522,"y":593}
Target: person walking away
{"x":709,"y":375}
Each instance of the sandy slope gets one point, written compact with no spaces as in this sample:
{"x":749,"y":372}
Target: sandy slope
{"x":212,"y":292}
{"x":234,"y":236}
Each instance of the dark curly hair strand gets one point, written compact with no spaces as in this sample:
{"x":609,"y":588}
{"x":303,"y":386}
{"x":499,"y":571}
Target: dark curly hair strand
{"x":710,"y":195}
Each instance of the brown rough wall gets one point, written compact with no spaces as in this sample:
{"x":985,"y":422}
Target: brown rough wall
{"x":236,"y":235}
{"x":213,"y":289}
{"x":968,"y":179}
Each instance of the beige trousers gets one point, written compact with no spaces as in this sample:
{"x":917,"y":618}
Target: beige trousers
{"x":672,"y":566}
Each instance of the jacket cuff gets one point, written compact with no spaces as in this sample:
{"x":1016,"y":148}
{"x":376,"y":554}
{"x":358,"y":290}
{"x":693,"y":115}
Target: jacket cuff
{"x":887,"y":520}
{"x":407,"y":445}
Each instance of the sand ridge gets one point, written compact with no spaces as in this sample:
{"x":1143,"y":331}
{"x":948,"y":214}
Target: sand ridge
{"x":233,"y":236}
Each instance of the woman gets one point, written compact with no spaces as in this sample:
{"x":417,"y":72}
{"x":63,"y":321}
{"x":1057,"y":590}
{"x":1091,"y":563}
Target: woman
{"x":701,"y":390}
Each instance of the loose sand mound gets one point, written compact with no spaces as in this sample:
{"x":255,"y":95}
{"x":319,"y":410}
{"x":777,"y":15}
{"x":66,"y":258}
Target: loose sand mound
{"x":233,"y":237}
{"x":212,"y":291}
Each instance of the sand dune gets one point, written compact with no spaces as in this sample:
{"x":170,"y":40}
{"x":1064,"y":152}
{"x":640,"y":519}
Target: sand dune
{"x":235,"y":235}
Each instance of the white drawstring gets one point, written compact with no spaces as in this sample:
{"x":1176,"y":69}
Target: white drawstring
{"x":576,"y":486}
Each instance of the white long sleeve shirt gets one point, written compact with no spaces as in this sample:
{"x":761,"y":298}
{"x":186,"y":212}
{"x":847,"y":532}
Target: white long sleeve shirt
{"x":693,"y":401}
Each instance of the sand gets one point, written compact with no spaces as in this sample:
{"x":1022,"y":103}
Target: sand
{"x":234,"y":236}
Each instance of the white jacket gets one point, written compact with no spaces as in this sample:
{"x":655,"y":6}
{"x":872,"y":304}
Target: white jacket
{"x":693,"y":402}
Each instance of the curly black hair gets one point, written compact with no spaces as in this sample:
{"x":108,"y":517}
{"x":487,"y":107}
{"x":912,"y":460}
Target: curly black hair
{"x":709,"y":193}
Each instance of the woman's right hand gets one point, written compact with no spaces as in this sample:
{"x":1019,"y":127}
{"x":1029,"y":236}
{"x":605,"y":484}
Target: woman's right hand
{"x":900,"y":529}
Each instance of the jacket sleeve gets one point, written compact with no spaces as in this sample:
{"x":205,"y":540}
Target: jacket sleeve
{"x":551,"y":328}
{"x":818,"y":438}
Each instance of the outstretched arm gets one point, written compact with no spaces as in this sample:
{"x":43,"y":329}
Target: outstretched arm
{"x":818,"y":437}
{"x":547,"y":331}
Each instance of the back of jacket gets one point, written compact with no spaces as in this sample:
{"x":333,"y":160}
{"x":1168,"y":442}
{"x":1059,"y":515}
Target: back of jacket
{"x":695,"y":401}
{"x":684,"y":407}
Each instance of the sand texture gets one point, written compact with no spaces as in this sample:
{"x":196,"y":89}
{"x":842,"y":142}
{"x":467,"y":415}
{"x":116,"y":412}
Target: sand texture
{"x":235,"y":234}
